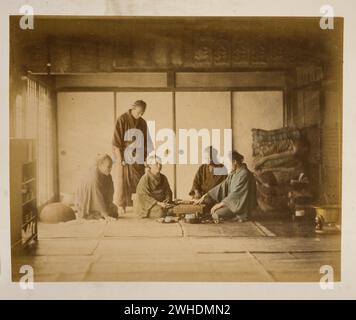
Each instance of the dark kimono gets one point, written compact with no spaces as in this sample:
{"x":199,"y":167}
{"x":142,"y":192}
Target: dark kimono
{"x":95,"y":195}
{"x":237,"y":192}
{"x":130,"y":174}
{"x":150,"y":190}
{"x":205,"y":179}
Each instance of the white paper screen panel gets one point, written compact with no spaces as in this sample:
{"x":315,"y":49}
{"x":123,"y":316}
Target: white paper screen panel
{"x":85,"y":128}
{"x":199,"y":110}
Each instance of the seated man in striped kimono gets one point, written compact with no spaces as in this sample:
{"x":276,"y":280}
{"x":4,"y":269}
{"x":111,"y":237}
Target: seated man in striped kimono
{"x":207,"y":176}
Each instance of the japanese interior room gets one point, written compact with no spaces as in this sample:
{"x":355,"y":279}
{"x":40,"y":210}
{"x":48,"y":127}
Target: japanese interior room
{"x":71,"y":78}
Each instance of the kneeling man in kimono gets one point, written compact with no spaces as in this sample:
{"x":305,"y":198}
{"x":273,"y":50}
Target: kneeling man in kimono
{"x":206,"y":178}
{"x":235,"y":196}
{"x":96,"y":191}
{"x":153,"y":191}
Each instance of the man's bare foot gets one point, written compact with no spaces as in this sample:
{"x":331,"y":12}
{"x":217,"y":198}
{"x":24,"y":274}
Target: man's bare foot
{"x":215,"y":218}
{"x":121,"y":210}
{"x":239,"y":219}
{"x":108,"y":218}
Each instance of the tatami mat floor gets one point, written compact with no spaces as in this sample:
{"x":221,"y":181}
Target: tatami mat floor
{"x":134,"y":249}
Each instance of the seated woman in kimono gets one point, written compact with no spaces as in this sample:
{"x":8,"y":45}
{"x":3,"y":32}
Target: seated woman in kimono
{"x":208,"y":175}
{"x":153,"y":191}
{"x":96,"y":190}
{"x":234,"y":197}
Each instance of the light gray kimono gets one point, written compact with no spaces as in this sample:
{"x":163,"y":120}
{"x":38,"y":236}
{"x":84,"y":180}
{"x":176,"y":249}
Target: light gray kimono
{"x":236,"y":192}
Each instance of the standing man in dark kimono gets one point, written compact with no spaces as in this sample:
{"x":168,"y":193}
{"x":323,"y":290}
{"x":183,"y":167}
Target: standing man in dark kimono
{"x":154,"y":194}
{"x":96,"y":191}
{"x":207,"y":177}
{"x":235,"y":197}
{"x":129,"y":174}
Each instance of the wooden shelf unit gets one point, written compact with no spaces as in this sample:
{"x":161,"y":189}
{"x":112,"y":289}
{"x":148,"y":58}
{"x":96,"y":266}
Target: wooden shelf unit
{"x":23,"y":193}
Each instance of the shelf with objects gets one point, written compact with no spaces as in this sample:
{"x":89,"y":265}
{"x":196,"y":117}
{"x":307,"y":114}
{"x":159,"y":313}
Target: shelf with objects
{"x":23,"y":191}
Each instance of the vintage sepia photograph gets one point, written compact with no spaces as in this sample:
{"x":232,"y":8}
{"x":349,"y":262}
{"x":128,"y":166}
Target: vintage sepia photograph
{"x":175,"y":148}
